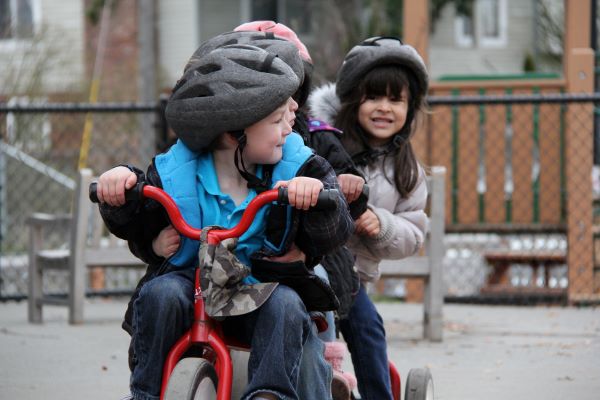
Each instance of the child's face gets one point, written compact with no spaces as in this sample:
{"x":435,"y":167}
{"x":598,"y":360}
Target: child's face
{"x":265,"y":138}
{"x":383,"y":116}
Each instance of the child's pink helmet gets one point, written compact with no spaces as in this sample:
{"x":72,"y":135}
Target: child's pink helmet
{"x":282,"y":31}
{"x":279,"y":30}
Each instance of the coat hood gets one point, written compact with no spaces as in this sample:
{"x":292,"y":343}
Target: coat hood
{"x":324,"y":104}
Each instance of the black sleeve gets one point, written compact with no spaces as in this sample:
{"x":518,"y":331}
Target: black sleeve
{"x":323,"y":231}
{"x":327,"y":144}
{"x":138,"y":221}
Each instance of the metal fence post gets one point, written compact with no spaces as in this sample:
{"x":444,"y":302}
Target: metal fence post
{"x":162,"y":128}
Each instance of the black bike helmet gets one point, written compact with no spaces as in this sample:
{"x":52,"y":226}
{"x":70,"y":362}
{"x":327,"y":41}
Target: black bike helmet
{"x":227,"y":90}
{"x":279,"y":46}
{"x":378,"y":51}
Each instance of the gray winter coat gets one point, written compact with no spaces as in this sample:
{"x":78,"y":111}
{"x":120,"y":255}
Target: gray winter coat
{"x":403,"y":220}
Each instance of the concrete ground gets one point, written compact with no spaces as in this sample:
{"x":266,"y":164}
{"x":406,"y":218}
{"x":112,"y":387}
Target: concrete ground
{"x":488,"y":352}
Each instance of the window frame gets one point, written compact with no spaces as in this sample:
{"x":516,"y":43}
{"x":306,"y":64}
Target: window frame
{"x":11,"y":43}
{"x":467,"y":41}
{"x":500,"y":39}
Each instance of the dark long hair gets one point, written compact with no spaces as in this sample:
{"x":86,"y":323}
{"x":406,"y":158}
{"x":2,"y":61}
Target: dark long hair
{"x":386,"y":80}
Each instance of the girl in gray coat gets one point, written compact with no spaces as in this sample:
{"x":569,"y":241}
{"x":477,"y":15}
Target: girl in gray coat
{"x":380,"y":89}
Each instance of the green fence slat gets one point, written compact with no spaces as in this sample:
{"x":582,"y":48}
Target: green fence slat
{"x":508,"y":160}
{"x":455,"y":153}
{"x":563,"y":176}
{"x":535,"y":184}
{"x":481,"y":179}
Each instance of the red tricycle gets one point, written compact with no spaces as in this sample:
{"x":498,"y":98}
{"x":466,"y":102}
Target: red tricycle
{"x":199,"y":366}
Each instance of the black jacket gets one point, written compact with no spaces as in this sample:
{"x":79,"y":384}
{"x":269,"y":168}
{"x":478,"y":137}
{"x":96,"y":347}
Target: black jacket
{"x":316,"y":233}
{"x":339,"y":263}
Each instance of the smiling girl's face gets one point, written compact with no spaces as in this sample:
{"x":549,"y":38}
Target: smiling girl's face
{"x":381,"y":117}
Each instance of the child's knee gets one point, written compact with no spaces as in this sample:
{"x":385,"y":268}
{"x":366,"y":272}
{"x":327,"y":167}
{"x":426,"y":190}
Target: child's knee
{"x":286,"y":303}
{"x":163,"y":294}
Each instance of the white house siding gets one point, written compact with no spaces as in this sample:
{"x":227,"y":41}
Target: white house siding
{"x":177,"y":30}
{"x":447,"y":58}
{"x":57,"y":50}
{"x":184,"y":24}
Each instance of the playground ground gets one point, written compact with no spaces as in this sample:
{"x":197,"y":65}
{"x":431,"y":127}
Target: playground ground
{"x":488,"y":352}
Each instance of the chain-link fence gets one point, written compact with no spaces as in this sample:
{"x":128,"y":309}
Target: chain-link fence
{"x":519,"y":198}
{"x":519,"y":201}
{"x":521,"y":194}
{"x":41,"y":151}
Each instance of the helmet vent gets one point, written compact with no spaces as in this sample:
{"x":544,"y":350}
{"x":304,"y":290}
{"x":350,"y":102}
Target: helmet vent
{"x":196,"y":91}
{"x":208,"y":68}
{"x":249,"y":64}
{"x":242,"y":85}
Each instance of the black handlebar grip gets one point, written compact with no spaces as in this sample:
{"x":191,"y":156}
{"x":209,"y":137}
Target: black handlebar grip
{"x":365,"y":191}
{"x":93,"y":193}
{"x":327,"y":199}
{"x":135,"y":193}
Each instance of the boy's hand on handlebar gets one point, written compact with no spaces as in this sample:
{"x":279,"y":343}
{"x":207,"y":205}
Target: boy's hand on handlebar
{"x":303,"y":192}
{"x":166,"y":243}
{"x":351,"y":186}
{"x":112,"y":185}
{"x":367,"y":224}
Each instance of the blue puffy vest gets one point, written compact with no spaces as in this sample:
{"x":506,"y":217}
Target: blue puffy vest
{"x":178,"y":169}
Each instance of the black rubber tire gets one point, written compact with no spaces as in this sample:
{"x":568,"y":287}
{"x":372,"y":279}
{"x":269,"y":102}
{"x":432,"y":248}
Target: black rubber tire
{"x":192,"y":379}
{"x":419,"y":385}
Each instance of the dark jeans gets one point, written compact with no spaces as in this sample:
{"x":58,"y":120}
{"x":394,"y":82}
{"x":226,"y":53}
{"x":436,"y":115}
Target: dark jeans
{"x":279,"y":331}
{"x":162,"y":312}
{"x":364,"y":333}
{"x":287,"y":355}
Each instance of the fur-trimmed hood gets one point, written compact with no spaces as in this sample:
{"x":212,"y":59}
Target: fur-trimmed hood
{"x":324,"y":104}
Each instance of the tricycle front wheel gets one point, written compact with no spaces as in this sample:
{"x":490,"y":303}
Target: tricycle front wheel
{"x":192,"y":379}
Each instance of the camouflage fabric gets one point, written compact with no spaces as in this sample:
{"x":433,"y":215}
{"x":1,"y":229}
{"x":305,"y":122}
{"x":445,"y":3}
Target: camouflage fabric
{"x":221,"y":280}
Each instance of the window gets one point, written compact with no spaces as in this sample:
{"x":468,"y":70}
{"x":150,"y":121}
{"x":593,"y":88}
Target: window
{"x":18,"y":19}
{"x":488,"y":25}
{"x":464,"y":31}
{"x":492,"y":25}
{"x":264,"y":10}
{"x":293,"y":13}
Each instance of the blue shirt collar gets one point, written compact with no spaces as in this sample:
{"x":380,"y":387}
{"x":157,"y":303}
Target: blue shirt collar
{"x":207,"y":175}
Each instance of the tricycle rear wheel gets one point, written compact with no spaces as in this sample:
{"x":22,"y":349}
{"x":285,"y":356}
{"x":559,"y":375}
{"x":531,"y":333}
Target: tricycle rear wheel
{"x":419,"y":385}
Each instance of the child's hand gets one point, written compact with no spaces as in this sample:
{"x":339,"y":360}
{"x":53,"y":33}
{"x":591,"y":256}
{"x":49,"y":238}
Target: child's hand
{"x":367,"y":224}
{"x":166,"y":243}
{"x":293,"y":254}
{"x":303,"y":191}
{"x":112,"y":185}
{"x":351,"y":186}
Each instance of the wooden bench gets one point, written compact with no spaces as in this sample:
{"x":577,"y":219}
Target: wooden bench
{"x":498,"y":281}
{"x":89,"y":245}
{"x":427,"y":266}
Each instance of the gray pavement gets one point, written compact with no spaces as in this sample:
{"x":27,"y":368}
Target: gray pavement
{"x":487,"y":353}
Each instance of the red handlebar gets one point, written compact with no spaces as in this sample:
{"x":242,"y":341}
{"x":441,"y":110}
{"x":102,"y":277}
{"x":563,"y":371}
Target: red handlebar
{"x":194,"y":233}
{"x":327,"y":200}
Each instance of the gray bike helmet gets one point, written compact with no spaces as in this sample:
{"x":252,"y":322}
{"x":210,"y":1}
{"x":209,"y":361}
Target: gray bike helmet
{"x":279,"y":46}
{"x":377,"y":51}
{"x":227,"y":90}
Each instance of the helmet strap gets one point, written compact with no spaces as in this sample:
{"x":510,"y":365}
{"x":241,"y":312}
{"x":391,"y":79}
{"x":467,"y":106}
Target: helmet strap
{"x":254,"y":182}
